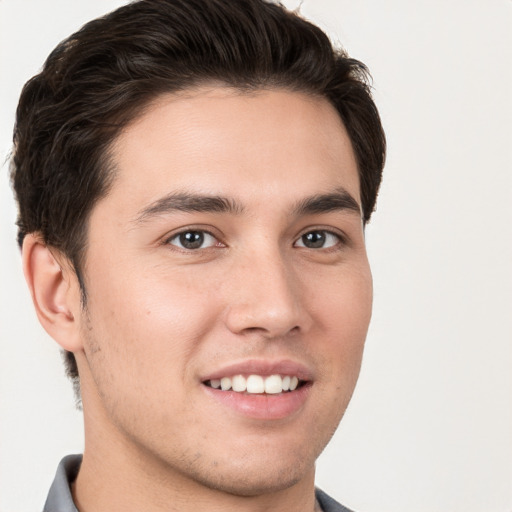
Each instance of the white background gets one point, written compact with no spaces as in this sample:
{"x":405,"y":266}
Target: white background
{"x":430,"y":425}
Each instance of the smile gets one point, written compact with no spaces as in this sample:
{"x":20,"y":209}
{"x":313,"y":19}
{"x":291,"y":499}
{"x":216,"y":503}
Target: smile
{"x":256,"y":384}
{"x":265,"y":390}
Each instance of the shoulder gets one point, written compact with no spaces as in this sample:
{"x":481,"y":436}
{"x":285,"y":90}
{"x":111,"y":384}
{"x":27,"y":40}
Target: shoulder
{"x":328,"y":504}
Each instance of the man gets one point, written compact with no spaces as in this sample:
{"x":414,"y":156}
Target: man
{"x":193,"y":180}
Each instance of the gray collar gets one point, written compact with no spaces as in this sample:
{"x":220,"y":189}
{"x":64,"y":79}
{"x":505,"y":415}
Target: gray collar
{"x":59,"y":498}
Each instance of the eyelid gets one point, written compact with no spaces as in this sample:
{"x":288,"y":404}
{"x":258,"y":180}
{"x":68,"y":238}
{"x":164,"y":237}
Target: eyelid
{"x":342,"y":237}
{"x":166,"y":240}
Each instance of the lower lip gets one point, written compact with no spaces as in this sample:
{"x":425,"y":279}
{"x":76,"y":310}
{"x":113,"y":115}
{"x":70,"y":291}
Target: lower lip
{"x":264,"y":406}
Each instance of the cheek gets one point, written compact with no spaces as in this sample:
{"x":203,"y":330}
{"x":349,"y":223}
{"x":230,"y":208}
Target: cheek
{"x":342,"y":315}
{"x":150,"y":321}
{"x":342,"y":303}
{"x":143,"y":335}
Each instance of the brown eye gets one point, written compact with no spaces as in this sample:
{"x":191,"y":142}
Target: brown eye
{"x":318,"y":240}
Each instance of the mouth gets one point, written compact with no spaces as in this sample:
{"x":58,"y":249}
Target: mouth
{"x":262,"y":390}
{"x":257,"y":384}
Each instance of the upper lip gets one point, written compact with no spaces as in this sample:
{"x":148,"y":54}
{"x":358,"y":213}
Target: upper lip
{"x":263,"y":368}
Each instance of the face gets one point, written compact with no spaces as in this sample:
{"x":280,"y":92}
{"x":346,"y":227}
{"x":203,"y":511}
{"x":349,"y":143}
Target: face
{"x":229,"y":252}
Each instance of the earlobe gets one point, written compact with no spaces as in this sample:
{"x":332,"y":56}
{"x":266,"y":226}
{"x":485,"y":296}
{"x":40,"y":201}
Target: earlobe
{"x":54,"y":291}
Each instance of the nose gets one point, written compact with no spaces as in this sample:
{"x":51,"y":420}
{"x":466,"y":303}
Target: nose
{"x":267,"y":298}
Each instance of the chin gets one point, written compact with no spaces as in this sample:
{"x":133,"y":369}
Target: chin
{"x":248,"y":481}
{"x":248,"y":470}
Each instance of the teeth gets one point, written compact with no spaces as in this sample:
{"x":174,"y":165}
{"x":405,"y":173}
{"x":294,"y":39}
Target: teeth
{"x":256,"y":384}
{"x":273,"y":384}
{"x":225,"y":383}
{"x":239,"y":383}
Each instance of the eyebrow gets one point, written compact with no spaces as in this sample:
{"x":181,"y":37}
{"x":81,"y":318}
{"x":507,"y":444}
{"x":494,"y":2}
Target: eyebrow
{"x":340,"y":199}
{"x":186,"y":202}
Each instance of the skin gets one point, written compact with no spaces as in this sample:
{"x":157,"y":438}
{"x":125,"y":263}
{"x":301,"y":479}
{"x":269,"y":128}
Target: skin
{"x":160,"y":317}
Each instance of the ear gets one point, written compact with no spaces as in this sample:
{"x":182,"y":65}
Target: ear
{"x":55,"y":292}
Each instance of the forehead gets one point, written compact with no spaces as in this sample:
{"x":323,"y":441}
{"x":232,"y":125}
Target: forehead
{"x":269,"y":144}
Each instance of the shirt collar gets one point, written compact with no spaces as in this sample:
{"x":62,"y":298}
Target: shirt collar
{"x":59,"y":498}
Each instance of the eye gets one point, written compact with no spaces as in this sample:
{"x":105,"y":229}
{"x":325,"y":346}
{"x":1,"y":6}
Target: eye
{"x":193,"y":239}
{"x":318,"y":239}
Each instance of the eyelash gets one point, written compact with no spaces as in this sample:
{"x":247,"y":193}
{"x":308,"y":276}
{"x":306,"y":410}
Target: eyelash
{"x":202,"y":232}
{"x":340,"y":239}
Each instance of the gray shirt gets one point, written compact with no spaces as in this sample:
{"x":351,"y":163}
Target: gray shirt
{"x":60,"y":499}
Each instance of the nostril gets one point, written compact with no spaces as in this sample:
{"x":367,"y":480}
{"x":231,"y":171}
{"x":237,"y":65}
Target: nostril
{"x":267,"y":317}
{"x":271,"y":333}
